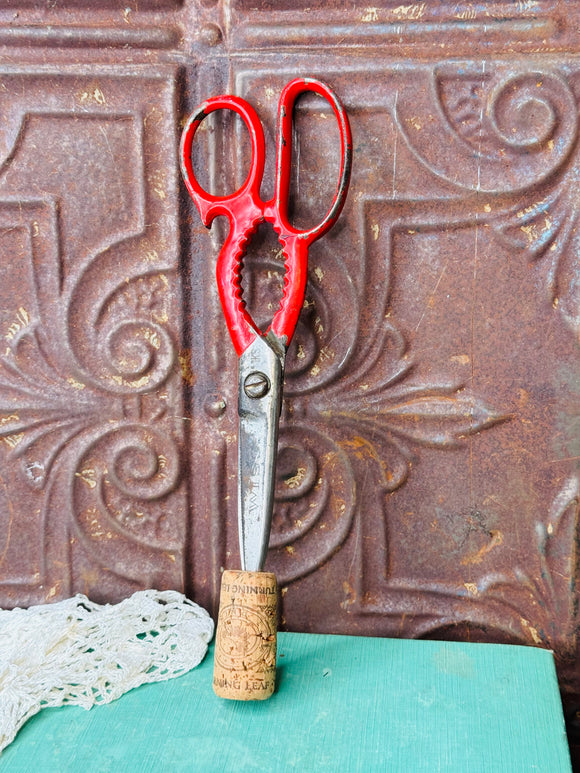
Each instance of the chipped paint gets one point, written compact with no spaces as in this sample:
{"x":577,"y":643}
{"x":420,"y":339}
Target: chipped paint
{"x":92,"y":96}
{"x":75,"y":384}
{"x":151,"y":336}
{"x":533,"y":632}
{"x":13,"y":440}
{"x":22,"y":320}
{"x":295,"y":480}
{"x":151,"y":256}
{"x":88,"y":477}
{"x":370,"y":14}
{"x":411,"y":12}
{"x":467,"y":14}
{"x":135,"y":383}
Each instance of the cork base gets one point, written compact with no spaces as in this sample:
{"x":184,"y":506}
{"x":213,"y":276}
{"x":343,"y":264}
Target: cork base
{"x":245,"y":646}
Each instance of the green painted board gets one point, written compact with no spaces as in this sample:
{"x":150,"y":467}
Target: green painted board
{"x":343,"y":704}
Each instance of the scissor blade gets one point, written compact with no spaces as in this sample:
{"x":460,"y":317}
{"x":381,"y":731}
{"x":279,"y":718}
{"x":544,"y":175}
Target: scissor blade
{"x":259,"y":400}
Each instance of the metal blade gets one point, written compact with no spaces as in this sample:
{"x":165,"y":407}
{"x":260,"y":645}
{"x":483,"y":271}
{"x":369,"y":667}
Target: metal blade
{"x":261,"y":369}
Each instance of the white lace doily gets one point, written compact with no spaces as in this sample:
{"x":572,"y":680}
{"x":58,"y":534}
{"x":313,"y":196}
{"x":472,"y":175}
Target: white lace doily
{"x":82,"y":653}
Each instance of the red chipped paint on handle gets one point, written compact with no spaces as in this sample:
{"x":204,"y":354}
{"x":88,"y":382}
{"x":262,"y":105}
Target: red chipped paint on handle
{"x":245,"y":209}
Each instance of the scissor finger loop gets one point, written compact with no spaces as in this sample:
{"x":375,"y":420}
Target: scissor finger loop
{"x":295,"y":242}
{"x":246,"y":210}
{"x":243,"y":204}
{"x":278,"y":207}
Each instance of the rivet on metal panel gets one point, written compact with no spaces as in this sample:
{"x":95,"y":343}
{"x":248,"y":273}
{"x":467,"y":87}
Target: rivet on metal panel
{"x":210,"y":34}
{"x":214,"y":406}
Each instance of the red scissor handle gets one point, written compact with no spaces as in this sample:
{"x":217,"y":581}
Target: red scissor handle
{"x":245,"y":209}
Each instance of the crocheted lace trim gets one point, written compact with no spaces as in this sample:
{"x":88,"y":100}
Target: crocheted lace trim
{"x":82,"y":653}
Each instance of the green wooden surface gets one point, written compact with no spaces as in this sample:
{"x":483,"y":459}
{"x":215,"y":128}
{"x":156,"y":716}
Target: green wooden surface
{"x":342,"y":704}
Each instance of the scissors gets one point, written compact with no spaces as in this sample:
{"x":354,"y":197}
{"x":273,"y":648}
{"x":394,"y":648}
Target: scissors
{"x":261,"y":354}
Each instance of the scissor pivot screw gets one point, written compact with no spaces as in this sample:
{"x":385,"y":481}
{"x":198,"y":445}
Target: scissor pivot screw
{"x":256,"y":384}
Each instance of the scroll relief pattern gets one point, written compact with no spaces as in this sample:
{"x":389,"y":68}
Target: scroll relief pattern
{"x":352,"y":403}
{"x":89,"y":372}
{"x":330,"y":435}
{"x":509,"y":140}
{"x":506,"y":143}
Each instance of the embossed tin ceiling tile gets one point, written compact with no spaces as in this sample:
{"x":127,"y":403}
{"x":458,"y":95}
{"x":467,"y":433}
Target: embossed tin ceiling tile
{"x":83,"y":37}
{"x":64,"y":6}
{"x":413,"y":29}
{"x":90,"y":379}
{"x":425,"y":482}
{"x":428,"y":469}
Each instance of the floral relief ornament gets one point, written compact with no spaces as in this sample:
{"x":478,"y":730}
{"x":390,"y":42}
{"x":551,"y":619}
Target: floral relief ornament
{"x":510,"y":138}
{"x":491,"y":131}
{"x":352,"y":400}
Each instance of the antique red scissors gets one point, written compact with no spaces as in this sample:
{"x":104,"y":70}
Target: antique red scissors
{"x":261,"y":354}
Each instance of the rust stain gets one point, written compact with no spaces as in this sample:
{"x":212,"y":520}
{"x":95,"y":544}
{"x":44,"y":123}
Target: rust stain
{"x":362,"y":448}
{"x":350,"y":594}
{"x":8,"y":530}
{"x":186,"y":367}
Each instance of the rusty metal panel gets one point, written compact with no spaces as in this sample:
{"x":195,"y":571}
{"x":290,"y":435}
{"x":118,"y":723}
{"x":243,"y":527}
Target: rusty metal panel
{"x":92,"y":494}
{"x":428,"y":480}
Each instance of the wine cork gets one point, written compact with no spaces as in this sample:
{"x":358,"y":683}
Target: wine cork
{"x":245,"y":644}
